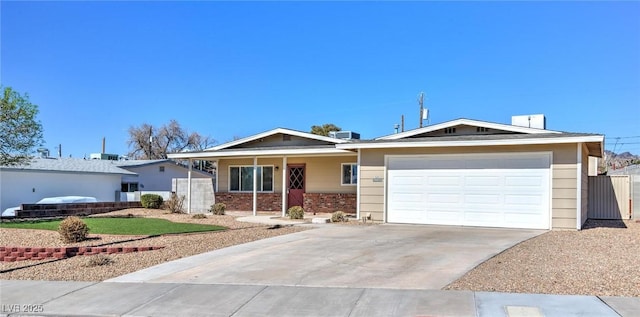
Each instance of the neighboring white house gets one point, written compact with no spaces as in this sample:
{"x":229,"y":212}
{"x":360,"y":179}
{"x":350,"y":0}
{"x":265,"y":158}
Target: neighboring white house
{"x":50,"y":177}
{"x":102,"y":179}
{"x":154,"y":175}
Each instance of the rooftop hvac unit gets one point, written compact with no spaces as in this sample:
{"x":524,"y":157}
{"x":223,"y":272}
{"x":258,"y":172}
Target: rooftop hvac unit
{"x":537,"y":121}
{"x":345,"y":135}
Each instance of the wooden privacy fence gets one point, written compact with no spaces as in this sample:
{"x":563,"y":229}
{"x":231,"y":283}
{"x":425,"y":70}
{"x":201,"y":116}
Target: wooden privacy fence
{"x":609,"y":197}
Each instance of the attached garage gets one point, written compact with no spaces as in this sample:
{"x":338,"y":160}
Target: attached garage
{"x":509,"y":190}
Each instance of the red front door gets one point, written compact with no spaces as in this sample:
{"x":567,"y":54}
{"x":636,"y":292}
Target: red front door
{"x":295,"y":185}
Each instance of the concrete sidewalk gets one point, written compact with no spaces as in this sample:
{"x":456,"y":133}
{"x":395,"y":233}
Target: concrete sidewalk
{"x":56,"y":298}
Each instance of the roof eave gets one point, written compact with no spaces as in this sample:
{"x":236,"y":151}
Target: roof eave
{"x":461,"y":143}
{"x":262,"y":153}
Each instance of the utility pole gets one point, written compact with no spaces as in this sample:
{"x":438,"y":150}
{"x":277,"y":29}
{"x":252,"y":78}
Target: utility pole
{"x":150,"y":141}
{"x":402,"y":126}
{"x":421,"y":102}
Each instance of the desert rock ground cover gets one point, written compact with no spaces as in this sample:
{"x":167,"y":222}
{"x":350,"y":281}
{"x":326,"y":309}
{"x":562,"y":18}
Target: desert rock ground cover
{"x":175,"y":247}
{"x":603,"y":259}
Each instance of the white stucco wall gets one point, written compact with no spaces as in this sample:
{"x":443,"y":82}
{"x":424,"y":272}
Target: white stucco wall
{"x":151,"y":179}
{"x":18,"y":187}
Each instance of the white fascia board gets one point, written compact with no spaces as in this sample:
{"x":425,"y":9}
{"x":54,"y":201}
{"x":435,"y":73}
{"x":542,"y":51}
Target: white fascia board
{"x":380,"y":145}
{"x":476,"y":123}
{"x":263,"y":153}
{"x":276,"y":131}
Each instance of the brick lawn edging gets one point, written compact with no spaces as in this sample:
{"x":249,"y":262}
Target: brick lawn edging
{"x":11,"y":254}
{"x":72,"y":209}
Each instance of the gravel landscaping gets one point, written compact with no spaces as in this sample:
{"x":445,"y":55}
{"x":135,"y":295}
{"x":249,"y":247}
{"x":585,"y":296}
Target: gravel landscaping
{"x":602,"y":260}
{"x":176,"y":246}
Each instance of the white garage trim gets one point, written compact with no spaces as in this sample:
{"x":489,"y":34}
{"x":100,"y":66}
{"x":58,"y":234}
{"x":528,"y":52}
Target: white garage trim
{"x":510,"y":189}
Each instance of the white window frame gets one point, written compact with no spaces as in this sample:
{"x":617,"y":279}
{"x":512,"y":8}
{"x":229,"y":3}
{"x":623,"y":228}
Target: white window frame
{"x":354,"y":180}
{"x":273,"y":179}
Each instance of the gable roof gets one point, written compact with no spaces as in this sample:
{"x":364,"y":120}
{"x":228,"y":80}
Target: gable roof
{"x":274,"y":132}
{"x":463,"y":121}
{"x":71,"y":165}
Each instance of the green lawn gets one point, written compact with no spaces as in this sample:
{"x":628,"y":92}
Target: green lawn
{"x":122,"y":226}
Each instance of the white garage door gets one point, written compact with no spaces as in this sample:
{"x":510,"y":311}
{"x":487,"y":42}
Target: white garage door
{"x":494,"y":190}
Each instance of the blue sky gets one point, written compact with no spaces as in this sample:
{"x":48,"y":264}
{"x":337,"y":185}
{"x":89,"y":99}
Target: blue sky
{"x":233,"y":69}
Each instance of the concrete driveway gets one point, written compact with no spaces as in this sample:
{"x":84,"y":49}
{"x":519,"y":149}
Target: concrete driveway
{"x":383,"y":256}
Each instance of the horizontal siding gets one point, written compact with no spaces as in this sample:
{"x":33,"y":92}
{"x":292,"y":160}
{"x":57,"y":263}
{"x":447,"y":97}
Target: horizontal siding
{"x":566,"y":203}
{"x":372,"y":193}
{"x":564,"y":223}
{"x":370,"y":199}
{"x":566,"y":183}
{"x":564,"y":193}
{"x":565,"y":213}
{"x":565,"y":172}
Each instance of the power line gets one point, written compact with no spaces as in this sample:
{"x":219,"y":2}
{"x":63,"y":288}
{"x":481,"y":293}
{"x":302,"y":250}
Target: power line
{"x":622,"y":137}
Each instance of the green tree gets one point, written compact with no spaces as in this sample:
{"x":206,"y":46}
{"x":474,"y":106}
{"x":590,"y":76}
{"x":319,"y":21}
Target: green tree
{"x":324,"y":129}
{"x":19,"y":130}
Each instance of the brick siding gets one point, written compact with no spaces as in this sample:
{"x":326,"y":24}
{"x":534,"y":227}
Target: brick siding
{"x":328,"y":203}
{"x":244,"y":201}
{"x":313,"y":202}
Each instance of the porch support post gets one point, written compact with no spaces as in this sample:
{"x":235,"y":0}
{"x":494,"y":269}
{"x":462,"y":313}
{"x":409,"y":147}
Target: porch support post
{"x":579,"y":186}
{"x":255,"y":185}
{"x":189,"y":186}
{"x":216,"y":189}
{"x":284,"y":186}
{"x":358,"y":187}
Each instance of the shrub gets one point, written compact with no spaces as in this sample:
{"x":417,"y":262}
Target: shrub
{"x":98,"y":260}
{"x":175,"y":204}
{"x":199,"y":216}
{"x":151,"y":201}
{"x":73,"y":229}
{"x":338,"y":216}
{"x":218,"y":208}
{"x":296,"y":212}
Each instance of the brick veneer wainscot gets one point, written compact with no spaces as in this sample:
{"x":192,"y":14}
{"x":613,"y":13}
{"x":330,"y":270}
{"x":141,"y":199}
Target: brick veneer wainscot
{"x":328,"y":203}
{"x":244,"y":201}
{"x":313,"y":202}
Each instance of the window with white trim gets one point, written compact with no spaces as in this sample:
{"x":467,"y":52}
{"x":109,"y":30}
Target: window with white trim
{"x":241,"y":178}
{"x":349,"y":174}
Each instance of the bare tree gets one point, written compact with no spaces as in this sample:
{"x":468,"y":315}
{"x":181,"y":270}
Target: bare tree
{"x":149,"y":142}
